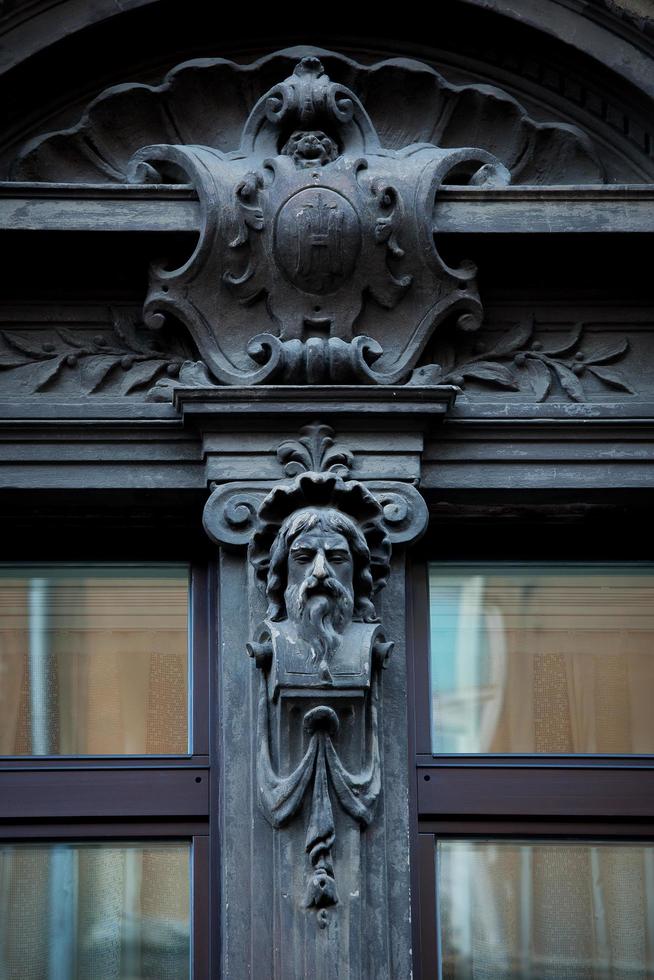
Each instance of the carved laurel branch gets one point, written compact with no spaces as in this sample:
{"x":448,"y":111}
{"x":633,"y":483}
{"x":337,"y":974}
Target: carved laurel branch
{"x":123,"y":356}
{"x":521,"y":361}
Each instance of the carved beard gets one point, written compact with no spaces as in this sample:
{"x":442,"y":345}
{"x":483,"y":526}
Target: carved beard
{"x":322,"y":611}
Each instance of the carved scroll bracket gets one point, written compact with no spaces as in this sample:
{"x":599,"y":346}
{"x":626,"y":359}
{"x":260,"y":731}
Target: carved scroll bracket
{"x":230,"y":513}
{"x":320,"y":543}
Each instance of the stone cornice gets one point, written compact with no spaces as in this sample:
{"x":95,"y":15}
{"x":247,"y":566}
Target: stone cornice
{"x":173,"y":208}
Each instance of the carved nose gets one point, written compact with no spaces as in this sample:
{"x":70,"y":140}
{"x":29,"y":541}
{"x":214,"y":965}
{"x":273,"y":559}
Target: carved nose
{"x":320,"y":566}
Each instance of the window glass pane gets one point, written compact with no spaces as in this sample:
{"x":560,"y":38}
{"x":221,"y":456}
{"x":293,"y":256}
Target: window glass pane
{"x":542,"y":658}
{"x":94,"y":660}
{"x":552,"y":911}
{"x":89,"y":911}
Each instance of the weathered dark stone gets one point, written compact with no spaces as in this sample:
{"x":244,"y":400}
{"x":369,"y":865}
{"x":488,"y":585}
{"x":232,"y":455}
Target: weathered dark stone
{"x":322,"y":233}
{"x":208,"y":100}
{"x":322,"y":548}
{"x":553,"y":422}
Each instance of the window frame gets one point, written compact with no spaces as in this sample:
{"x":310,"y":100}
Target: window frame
{"x":502,"y":796}
{"x":164,"y":798}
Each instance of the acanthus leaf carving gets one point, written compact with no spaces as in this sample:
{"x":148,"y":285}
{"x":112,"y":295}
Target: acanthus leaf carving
{"x":314,"y":450}
{"x":318,"y":470}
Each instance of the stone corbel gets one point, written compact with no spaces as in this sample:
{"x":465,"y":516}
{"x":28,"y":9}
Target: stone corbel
{"x":320,"y":545}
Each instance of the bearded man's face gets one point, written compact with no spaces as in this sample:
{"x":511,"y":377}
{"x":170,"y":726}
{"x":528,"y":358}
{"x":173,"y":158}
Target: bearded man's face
{"x":319,"y":595}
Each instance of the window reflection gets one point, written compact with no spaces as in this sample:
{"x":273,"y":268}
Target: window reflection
{"x":546,"y":911}
{"x":541,"y":659}
{"x":93,"y":660}
{"x":91,"y":911}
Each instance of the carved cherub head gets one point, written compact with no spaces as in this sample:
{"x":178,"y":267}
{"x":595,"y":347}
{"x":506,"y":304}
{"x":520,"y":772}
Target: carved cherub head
{"x":310,"y":148}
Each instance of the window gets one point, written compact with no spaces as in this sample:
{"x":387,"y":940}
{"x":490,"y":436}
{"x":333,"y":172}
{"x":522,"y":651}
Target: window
{"x":541,"y":658}
{"x":94,"y":660}
{"x":534,"y":740}
{"x":104,"y":775}
{"x":96,"y":909}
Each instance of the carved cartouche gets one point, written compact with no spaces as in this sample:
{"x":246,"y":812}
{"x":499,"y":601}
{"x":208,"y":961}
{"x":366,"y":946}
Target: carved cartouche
{"x":323,"y":233}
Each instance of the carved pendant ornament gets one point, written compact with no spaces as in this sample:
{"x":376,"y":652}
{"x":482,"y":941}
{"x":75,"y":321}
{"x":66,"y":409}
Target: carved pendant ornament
{"x":316,"y":261}
{"x":320,"y":543}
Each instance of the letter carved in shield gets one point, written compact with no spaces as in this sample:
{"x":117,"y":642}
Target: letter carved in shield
{"x":317,"y":240}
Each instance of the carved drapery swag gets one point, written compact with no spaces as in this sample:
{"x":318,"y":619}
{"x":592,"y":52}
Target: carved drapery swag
{"x":320,"y":543}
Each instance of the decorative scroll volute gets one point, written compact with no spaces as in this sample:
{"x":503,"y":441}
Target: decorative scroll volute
{"x":235,"y":512}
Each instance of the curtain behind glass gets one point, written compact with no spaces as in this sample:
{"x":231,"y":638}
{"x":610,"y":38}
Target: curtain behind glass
{"x":542,"y":659}
{"x":546,"y":911}
{"x":95,"y":912}
{"x":94,"y":660}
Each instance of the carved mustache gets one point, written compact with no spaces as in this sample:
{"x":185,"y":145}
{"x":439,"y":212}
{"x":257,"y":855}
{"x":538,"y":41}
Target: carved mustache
{"x":312,"y":585}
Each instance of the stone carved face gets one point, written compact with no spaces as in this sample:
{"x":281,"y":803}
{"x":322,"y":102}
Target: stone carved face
{"x":320,"y":563}
{"x":319,"y":595}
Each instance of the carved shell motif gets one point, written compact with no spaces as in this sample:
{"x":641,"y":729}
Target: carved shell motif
{"x":206,"y":102}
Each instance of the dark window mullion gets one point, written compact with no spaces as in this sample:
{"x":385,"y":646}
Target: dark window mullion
{"x":523,"y":828}
{"x":56,"y":763}
{"x":202,"y":913}
{"x":429,"y":954}
{"x":101,"y":830}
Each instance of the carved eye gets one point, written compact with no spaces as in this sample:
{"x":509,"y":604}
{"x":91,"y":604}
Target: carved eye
{"x":337,"y":558}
